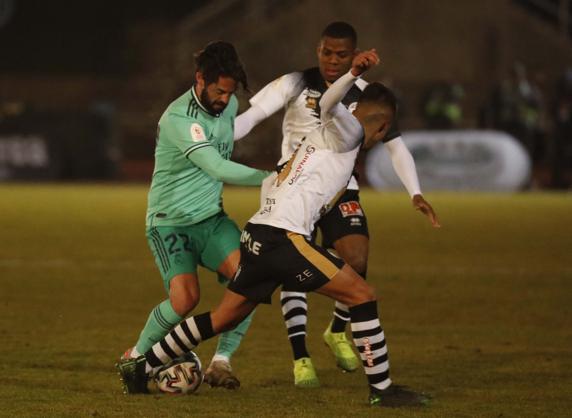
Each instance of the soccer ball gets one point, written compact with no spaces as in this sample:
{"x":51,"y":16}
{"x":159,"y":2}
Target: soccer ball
{"x":182,"y":376}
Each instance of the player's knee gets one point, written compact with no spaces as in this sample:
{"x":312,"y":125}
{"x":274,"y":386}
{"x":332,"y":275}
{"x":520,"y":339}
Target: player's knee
{"x":184,"y":302}
{"x":358,"y":261}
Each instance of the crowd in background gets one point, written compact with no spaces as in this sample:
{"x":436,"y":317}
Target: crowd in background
{"x":538,"y":115}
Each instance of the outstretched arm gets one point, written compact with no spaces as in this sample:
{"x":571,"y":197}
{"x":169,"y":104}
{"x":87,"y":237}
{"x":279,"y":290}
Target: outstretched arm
{"x":209,"y":160}
{"x":404,"y":166}
{"x":273,"y":97}
{"x":336,"y":92}
{"x":244,"y":122}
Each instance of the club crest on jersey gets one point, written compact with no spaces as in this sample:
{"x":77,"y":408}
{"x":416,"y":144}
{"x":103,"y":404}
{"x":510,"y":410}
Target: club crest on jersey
{"x":312,"y":97}
{"x":351,"y":208}
{"x":197,"y":133}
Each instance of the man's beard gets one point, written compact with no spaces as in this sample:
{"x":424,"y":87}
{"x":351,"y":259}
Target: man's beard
{"x":206,"y":102}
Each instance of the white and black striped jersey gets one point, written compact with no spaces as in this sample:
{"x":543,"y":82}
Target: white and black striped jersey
{"x":299,"y":93}
{"x":318,"y":170}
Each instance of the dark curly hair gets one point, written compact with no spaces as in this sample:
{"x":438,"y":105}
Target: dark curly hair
{"x":217,"y":59}
{"x":378,"y":93}
{"x":340,"y":30}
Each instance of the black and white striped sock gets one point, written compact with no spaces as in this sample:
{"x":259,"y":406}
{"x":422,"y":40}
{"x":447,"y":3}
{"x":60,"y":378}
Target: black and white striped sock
{"x":370,"y":341}
{"x":182,"y":339}
{"x":341,"y":317}
{"x":342,"y":313}
{"x":295,"y":312}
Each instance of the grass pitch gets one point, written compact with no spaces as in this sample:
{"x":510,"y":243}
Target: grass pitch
{"x":478,"y":313}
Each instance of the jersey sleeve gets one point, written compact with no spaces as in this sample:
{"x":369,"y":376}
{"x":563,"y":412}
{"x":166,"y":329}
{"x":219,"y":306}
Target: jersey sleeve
{"x":330,"y":103}
{"x":185,"y":133}
{"x":346,"y":131}
{"x":211,"y":162}
{"x":275,"y":95}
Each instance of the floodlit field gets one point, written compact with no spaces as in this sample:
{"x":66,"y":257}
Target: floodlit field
{"x":479,"y":313}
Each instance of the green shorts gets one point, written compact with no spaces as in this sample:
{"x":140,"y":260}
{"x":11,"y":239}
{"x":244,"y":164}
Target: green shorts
{"x":179,"y":249}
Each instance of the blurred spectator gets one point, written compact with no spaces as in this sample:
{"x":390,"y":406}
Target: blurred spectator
{"x":562,"y":142}
{"x":516,"y":107}
{"x":442,"y":109}
{"x":11,"y":109}
{"x":389,"y":82}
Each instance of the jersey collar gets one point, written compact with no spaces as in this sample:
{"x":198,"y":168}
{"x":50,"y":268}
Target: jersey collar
{"x":196,"y":99}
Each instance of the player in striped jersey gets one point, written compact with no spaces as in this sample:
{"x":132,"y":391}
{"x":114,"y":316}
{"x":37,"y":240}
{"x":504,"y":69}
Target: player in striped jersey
{"x":186,"y":224}
{"x":291,"y":202}
{"x":344,"y":229}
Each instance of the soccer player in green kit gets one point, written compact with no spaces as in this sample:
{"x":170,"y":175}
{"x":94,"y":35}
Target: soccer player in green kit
{"x":186,"y":224}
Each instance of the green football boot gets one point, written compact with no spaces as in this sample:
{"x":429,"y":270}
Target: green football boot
{"x":305,"y":374}
{"x":133,"y":376}
{"x":342,"y":349}
{"x":396,"y":396}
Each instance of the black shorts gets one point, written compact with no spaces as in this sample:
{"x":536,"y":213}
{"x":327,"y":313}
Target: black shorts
{"x":346,"y":217}
{"x":271,"y":257}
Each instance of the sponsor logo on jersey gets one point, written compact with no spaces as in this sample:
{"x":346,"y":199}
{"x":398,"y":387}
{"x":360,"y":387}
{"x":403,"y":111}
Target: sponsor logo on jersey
{"x":268,"y":206}
{"x":300,"y":167}
{"x":351,"y":208}
{"x":197,"y":133}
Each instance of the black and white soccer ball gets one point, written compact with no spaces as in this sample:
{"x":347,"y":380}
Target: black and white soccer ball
{"x":182,"y":376}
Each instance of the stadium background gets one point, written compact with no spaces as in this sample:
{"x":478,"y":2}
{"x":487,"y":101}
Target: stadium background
{"x":477,"y":313}
{"x":104,"y":72}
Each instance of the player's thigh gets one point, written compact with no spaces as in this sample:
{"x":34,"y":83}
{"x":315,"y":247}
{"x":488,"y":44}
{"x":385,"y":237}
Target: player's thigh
{"x":173,"y":250}
{"x":221,"y":251}
{"x":354,"y":249}
{"x":346,"y":218}
{"x":262,"y":263}
{"x":312,"y":268}
{"x":345,"y":229}
{"x":348,"y":287}
{"x":305,"y":266}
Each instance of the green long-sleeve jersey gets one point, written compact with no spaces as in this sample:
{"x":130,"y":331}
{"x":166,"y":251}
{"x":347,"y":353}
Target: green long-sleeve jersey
{"x":192,"y":162}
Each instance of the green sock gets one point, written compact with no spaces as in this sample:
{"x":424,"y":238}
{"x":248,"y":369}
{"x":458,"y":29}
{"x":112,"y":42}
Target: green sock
{"x":162,"y":319}
{"x":229,"y":341}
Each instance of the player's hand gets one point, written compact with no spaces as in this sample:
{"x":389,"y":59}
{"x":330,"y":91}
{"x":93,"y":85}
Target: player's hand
{"x":425,"y":208}
{"x":364,"y":61}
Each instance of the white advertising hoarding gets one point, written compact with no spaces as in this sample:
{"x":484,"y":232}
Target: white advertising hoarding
{"x":456,"y":160}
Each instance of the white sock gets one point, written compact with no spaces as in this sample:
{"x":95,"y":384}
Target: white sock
{"x":134,"y":353}
{"x":220,"y":357}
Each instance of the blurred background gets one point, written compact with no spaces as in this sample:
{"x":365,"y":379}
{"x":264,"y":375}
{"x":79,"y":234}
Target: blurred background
{"x":485,"y":87}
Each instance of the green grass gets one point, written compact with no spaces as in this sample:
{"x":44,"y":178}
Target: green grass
{"x":478,"y":313}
